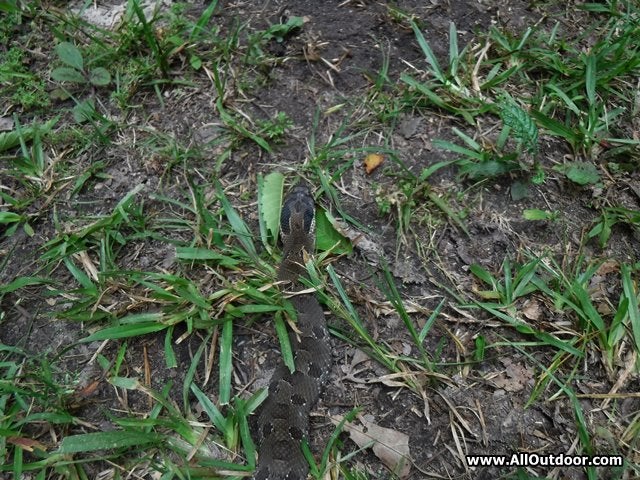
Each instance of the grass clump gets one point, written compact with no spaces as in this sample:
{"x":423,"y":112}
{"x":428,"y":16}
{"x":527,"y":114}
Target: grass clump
{"x":20,"y":86}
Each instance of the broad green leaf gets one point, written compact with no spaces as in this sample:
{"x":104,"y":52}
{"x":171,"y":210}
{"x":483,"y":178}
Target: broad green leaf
{"x":270,"y":190}
{"x":582,"y":173}
{"x":537,"y":214}
{"x":522,"y":125}
{"x":125,"y":382}
{"x":66,"y":74}
{"x":70,"y":55}
{"x":99,"y":77}
{"x":195,"y":62}
{"x":9,"y":217}
{"x":519,"y":190}
{"x":481,"y":343}
{"x":280,"y":30}
{"x":28,"y":229}
{"x":327,"y":236}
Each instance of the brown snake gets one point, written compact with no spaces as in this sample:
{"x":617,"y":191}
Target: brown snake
{"x":283,"y":421}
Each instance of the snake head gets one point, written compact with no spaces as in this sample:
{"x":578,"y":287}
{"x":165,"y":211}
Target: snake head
{"x":297,"y":221}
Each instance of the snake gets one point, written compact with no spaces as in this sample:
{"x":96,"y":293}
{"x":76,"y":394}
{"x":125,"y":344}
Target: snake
{"x":283,"y":420}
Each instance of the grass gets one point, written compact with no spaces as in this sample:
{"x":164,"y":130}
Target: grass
{"x":159,"y":282}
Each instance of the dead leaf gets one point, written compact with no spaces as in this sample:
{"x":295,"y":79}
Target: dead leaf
{"x":372,"y":161}
{"x":6,"y":124}
{"x":27,"y":444}
{"x":515,"y":378}
{"x":390,"y":446}
{"x":610,"y":266}
{"x":531,"y":310}
{"x":409,"y":126}
{"x":89,"y":389}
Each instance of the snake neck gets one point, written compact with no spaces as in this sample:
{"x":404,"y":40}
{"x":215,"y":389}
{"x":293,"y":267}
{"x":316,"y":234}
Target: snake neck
{"x":292,"y":267}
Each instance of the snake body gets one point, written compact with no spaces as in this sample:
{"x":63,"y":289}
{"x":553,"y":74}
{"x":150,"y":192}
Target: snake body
{"x":283,"y":421}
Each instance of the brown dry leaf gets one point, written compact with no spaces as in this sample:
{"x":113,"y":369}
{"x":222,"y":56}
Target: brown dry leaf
{"x":89,"y":389}
{"x":390,"y":446}
{"x":531,"y":310}
{"x":27,"y":444}
{"x":610,"y":266}
{"x":372,"y":161}
{"x":516,"y":377}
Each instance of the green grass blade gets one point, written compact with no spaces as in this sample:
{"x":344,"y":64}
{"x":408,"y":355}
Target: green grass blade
{"x":91,"y":442}
{"x":81,"y":277}
{"x":285,"y":344}
{"x":589,"y":311}
{"x":508,"y":293}
{"x":454,"y":53}
{"x":631,"y":295}
{"x":455,"y":148}
{"x":237,"y":224}
{"x":392,"y":294}
{"x":428,"y":53}
{"x":590,"y":78}
{"x":527,"y":329}
{"x":245,"y":434}
{"x":226,"y":365}
{"x":555,"y":127}
{"x":21,"y":282}
{"x":216,"y":417}
{"x":565,"y":98}
{"x":200,"y":26}
{"x":126,"y":331}
{"x":430,"y":321}
{"x":188,"y":379}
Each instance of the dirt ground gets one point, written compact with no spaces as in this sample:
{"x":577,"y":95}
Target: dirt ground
{"x":472,"y":407}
